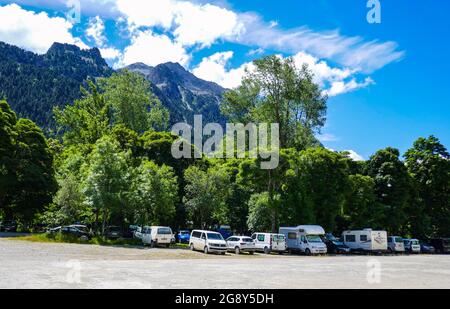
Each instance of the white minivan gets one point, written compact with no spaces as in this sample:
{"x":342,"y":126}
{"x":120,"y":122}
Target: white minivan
{"x":207,"y":241}
{"x":268,"y":242}
{"x":157,"y":236}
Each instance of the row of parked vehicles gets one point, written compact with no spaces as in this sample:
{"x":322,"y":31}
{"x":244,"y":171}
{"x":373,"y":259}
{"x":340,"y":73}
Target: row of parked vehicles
{"x":305,"y":239}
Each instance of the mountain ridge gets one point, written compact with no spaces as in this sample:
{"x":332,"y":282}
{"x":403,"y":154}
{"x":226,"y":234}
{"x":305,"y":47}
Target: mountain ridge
{"x":34,"y":84}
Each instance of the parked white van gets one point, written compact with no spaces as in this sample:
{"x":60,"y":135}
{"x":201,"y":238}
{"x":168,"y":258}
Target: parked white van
{"x":366,"y":240}
{"x":207,"y":241}
{"x":412,"y":245}
{"x":157,"y":236}
{"x":305,"y":238}
{"x":395,"y":244}
{"x":268,"y":242}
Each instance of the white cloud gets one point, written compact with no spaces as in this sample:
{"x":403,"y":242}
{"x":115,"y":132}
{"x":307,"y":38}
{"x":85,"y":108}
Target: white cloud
{"x":353,"y":52}
{"x":95,"y":31}
{"x":110,"y":53}
{"x":340,"y":87}
{"x":153,"y":49}
{"x":327,"y":137}
{"x":214,"y":68}
{"x":204,"y":24}
{"x":190,"y":23}
{"x":34,"y":31}
{"x":355,"y":156}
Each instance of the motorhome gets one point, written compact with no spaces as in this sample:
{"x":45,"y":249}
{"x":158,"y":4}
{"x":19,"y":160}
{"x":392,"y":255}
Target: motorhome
{"x":366,"y":240}
{"x":157,"y":236}
{"x":305,"y":239}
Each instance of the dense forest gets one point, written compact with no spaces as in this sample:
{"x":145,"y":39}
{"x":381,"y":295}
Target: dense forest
{"x":113,"y":165}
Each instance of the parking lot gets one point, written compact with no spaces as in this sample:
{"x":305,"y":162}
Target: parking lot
{"x":48,"y":265}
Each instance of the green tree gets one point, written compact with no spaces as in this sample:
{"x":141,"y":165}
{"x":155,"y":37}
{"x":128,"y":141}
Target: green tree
{"x":278,"y":92}
{"x":106,"y":178}
{"x":322,"y":186}
{"x":87,"y":120}
{"x":393,"y":187}
{"x":27,"y":177}
{"x":133,"y":104}
{"x":260,"y":213}
{"x":154,"y":193}
{"x":361,"y":207}
{"x":206,"y":195}
{"x":429,"y":164}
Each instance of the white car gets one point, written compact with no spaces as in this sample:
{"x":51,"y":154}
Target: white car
{"x":157,"y":236}
{"x":207,"y":241}
{"x":395,"y":244}
{"x":238,"y":244}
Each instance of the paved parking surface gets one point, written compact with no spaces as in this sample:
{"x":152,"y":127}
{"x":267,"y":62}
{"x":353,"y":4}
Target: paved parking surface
{"x":42,"y":265}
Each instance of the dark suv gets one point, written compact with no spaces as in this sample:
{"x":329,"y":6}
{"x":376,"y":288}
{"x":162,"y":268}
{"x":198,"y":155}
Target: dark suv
{"x":8,"y":226}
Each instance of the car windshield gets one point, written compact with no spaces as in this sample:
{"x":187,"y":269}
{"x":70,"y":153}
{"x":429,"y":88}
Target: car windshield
{"x":214,"y":236}
{"x":398,"y":239}
{"x":185,"y":233}
{"x":225,"y":228}
{"x":114,"y":229}
{"x":164,"y":231}
{"x":414,"y":242}
{"x":314,"y":238}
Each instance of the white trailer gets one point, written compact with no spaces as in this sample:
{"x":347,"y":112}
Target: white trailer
{"x":305,"y":238}
{"x":366,"y":240}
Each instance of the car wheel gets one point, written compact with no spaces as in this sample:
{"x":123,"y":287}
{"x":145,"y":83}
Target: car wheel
{"x":266,"y":250}
{"x":168,"y":246}
{"x":191,"y":246}
{"x":308,"y":252}
{"x":237,"y":250}
{"x":84,"y":238}
{"x":252,"y":252}
{"x":152,"y":244}
{"x":206,"y":250}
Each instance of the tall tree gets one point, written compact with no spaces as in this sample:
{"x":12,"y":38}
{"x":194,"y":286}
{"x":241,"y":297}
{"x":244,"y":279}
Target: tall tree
{"x":106,"y":178}
{"x":154,"y":193}
{"x":27,"y":177}
{"x":206,"y":195}
{"x":276,"y":91}
{"x":133,"y":104}
{"x":393,"y":186}
{"x":428,"y":161}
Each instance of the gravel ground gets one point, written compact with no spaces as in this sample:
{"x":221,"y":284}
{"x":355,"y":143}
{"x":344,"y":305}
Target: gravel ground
{"x":44,"y":265}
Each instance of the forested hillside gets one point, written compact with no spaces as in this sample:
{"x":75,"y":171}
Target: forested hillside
{"x":34,"y":84}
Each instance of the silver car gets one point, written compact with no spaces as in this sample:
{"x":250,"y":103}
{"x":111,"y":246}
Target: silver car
{"x":238,"y":244}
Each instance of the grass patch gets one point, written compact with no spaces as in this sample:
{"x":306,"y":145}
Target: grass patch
{"x":60,"y":238}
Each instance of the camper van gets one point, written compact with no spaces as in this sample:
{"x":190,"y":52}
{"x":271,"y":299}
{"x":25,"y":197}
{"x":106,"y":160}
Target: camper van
{"x":366,"y":240}
{"x":305,"y":238}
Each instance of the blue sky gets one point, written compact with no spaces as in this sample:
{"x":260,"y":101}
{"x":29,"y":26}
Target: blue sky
{"x":388,"y":82}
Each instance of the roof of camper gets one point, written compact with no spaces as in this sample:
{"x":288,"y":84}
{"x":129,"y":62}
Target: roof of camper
{"x":310,"y":229}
